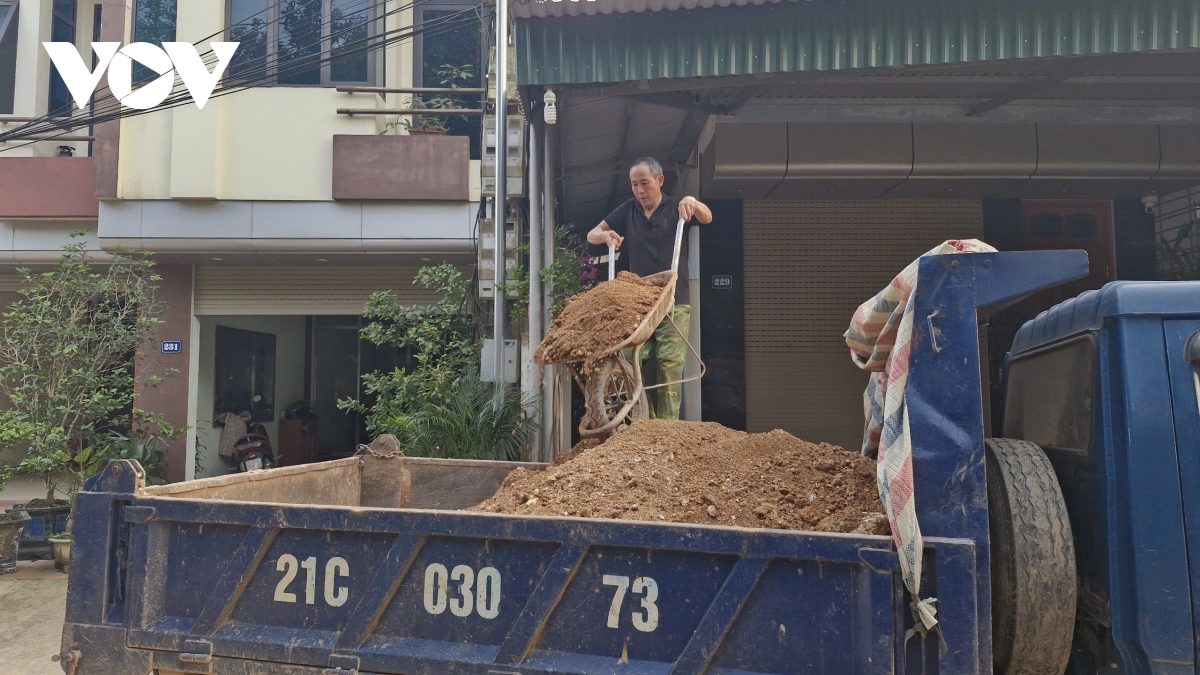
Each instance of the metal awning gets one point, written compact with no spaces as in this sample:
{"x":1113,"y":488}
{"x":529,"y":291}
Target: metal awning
{"x":600,"y":137}
{"x":731,"y":38}
{"x":603,"y":127}
{"x":529,"y":9}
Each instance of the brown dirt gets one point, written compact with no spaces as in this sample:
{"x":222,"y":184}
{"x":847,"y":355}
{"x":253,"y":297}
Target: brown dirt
{"x":598,"y":319}
{"x":702,"y":472}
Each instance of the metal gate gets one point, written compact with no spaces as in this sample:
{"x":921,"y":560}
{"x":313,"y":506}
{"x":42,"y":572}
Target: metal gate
{"x":808,"y":265}
{"x":232,"y":290}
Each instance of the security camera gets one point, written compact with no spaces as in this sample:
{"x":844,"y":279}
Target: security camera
{"x":1150,"y":202}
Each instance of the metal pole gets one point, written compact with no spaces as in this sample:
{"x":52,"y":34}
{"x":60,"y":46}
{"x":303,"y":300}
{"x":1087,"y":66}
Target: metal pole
{"x":549,"y":222}
{"x":500,"y":212}
{"x":535,"y":263}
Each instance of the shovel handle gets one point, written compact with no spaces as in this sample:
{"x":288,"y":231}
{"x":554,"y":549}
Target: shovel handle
{"x":678,"y":245}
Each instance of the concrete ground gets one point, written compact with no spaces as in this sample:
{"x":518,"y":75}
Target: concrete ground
{"x":32,"y":601}
{"x":32,"y":604}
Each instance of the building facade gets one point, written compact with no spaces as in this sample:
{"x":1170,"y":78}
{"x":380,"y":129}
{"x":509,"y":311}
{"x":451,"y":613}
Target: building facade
{"x":839,"y":141}
{"x":273,"y":212}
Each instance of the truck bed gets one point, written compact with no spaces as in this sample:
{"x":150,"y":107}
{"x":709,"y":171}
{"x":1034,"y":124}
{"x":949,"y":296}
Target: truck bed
{"x":317,"y":568}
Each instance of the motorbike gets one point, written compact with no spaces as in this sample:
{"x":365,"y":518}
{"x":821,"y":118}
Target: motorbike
{"x":253,"y":451}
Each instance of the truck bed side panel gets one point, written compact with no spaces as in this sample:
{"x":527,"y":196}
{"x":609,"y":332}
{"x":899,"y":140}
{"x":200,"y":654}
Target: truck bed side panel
{"x":416,"y":592}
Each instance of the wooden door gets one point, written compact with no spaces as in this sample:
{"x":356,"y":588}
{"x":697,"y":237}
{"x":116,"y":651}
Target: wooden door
{"x":1054,"y":224}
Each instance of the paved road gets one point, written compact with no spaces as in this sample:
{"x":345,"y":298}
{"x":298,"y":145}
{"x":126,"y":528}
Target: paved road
{"x":32,"y":605}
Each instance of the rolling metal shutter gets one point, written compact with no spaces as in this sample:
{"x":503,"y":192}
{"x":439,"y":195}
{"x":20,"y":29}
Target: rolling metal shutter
{"x":235,"y":290}
{"x":808,"y":266}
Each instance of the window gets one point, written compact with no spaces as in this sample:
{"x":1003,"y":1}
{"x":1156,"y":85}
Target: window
{"x":303,"y":42}
{"x":245,"y":374}
{"x":453,"y":37}
{"x":1046,"y":225}
{"x":153,"y":22}
{"x":62,"y":29}
{"x":1051,"y":397}
{"x":1082,"y":225}
{"x":8,"y":54}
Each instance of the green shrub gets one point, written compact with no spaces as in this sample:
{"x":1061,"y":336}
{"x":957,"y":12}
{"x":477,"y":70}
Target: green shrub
{"x":469,"y":423}
{"x":68,"y":361}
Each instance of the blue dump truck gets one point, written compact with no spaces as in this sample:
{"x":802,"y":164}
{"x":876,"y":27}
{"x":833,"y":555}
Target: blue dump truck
{"x":1063,"y":547}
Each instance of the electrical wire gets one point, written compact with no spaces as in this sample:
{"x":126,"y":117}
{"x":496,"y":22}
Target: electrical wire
{"x":269,"y":72}
{"x":260,"y":75}
{"x":56,"y":120}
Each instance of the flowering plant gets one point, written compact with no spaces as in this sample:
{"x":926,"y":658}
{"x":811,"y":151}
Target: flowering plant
{"x":571,"y":273}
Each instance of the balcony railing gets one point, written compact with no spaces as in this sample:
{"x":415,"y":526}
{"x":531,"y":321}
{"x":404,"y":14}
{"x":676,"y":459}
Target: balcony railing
{"x":412,"y":91}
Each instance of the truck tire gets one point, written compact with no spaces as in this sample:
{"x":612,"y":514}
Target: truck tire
{"x":1033,"y":562}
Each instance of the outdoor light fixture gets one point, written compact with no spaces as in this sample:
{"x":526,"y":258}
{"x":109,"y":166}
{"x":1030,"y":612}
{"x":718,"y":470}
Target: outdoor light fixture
{"x":551,"y":110}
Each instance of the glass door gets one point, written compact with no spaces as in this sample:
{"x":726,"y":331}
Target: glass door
{"x":335,"y":373}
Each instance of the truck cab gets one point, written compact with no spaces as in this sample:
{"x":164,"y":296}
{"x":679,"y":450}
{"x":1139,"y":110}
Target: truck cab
{"x":1107,"y":384}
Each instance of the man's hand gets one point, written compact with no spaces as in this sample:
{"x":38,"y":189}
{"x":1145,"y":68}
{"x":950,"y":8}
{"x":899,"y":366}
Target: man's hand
{"x":690,"y":207}
{"x":603,"y":235}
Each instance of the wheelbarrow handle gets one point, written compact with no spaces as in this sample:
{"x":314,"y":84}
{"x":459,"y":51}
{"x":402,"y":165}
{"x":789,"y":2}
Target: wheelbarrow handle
{"x":612,"y":261}
{"x":678,"y":245}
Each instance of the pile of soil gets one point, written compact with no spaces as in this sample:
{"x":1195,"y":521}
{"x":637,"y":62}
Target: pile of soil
{"x":702,"y":472}
{"x":598,"y":319}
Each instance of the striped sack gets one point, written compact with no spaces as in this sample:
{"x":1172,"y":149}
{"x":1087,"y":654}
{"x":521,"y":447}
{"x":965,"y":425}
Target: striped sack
{"x":880,"y":340}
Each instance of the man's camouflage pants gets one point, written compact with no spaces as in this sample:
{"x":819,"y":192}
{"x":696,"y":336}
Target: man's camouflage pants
{"x":669,"y":352}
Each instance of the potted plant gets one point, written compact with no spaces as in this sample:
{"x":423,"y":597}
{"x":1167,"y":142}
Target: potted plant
{"x":75,"y":347}
{"x":145,"y":447}
{"x":81,"y":466}
{"x":450,"y":76}
{"x":11,"y":525}
{"x":47,"y":516}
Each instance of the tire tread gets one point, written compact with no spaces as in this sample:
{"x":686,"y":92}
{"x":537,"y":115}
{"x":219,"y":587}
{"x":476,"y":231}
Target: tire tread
{"x":1033,"y":562}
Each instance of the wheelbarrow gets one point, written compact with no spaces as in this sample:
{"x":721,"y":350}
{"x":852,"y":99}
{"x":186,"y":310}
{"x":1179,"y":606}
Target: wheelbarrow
{"x":614,"y":392}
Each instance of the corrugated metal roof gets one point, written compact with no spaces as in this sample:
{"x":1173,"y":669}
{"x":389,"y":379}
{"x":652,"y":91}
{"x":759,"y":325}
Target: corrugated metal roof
{"x":821,"y":36}
{"x":529,"y":9}
{"x":599,"y":133}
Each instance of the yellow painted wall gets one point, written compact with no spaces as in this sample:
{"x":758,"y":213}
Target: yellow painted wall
{"x":269,"y":143}
{"x":266,"y":143}
{"x":277,"y":143}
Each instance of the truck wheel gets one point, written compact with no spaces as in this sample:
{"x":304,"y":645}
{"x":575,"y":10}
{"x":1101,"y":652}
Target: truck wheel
{"x":1033,"y":562}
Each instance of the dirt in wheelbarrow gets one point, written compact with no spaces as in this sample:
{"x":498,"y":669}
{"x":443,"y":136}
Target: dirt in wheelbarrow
{"x":702,"y":472}
{"x":595,"y":321}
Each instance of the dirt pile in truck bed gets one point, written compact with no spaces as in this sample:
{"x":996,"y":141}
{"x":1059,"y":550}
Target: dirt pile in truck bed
{"x":702,"y":472}
{"x":598,"y":319}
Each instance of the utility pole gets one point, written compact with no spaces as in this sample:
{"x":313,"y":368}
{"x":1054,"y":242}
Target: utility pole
{"x":500,"y":210}
{"x":535,"y":274}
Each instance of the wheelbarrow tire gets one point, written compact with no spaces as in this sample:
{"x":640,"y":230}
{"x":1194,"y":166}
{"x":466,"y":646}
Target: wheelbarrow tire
{"x":608,"y":391}
{"x":1033,"y":562}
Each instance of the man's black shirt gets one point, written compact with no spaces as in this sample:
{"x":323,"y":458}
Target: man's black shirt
{"x":649,"y":242}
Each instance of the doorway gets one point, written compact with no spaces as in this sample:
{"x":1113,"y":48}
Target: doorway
{"x":339,"y":357}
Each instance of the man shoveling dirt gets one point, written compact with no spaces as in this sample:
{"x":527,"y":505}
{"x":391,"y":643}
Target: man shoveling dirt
{"x":702,"y":472}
